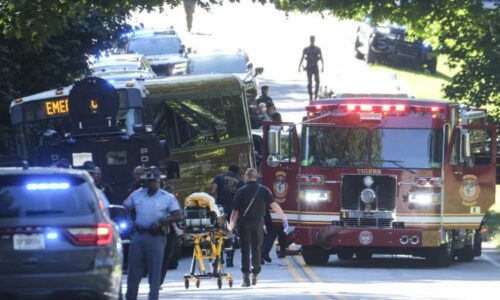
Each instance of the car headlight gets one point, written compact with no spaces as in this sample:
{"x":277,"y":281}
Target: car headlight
{"x":313,"y":196}
{"x":423,"y":198}
{"x":384,"y":30}
{"x":368,"y":196}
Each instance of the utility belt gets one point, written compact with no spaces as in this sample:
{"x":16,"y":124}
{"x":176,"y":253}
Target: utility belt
{"x":153,"y":230}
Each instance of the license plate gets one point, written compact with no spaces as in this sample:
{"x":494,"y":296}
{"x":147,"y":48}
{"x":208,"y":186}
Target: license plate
{"x":29,"y":241}
{"x":371,"y":116}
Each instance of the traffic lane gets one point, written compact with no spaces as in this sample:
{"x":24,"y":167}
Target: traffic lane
{"x":278,"y":280}
{"x":401,"y":277}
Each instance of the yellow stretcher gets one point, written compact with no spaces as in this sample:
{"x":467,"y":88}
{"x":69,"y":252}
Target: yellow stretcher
{"x":207,"y":227}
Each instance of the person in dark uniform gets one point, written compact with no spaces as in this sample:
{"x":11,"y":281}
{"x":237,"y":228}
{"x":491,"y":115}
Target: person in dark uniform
{"x":272,"y":231}
{"x":96,"y":174}
{"x":264,"y":96}
{"x":155,"y":209}
{"x":224,"y":187}
{"x":312,"y":54}
{"x":250,"y":204}
{"x":137,"y":181}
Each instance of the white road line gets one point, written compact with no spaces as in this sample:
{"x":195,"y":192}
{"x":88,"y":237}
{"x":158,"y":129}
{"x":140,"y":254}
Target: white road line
{"x":490,"y":260}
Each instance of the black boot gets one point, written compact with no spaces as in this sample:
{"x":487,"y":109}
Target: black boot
{"x":254,"y":279}
{"x":229,"y":259}
{"x":246,"y":280}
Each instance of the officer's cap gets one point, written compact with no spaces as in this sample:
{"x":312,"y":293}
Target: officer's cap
{"x":153,"y":173}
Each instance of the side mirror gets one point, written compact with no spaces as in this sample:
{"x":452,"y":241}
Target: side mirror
{"x":259,"y":71}
{"x":249,"y":66}
{"x":182,"y":49}
{"x":466,"y":144}
{"x":273,"y":140}
{"x":119,"y":215}
{"x":173,"y":170}
{"x":164,"y":148}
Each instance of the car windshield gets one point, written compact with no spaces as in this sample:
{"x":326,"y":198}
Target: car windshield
{"x":44,"y":195}
{"x":410,"y":148}
{"x":334,"y":146}
{"x":217,"y":64}
{"x":155,"y":45}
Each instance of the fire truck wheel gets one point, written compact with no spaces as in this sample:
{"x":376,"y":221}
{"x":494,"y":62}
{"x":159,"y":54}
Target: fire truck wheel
{"x":478,"y":240}
{"x":440,"y":256}
{"x":466,"y":254}
{"x":364,"y":254}
{"x":315,"y":255}
{"x":343,"y":254}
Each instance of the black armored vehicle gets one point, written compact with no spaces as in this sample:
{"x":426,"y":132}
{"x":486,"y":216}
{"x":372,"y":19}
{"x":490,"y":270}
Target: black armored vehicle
{"x":387,"y":42}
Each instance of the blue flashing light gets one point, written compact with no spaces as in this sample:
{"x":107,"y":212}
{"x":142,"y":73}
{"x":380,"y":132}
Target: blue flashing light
{"x":427,"y":45}
{"x":52,"y":235}
{"x":112,"y":81}
{"x":123,"y":225}
{"x":47,"y":186}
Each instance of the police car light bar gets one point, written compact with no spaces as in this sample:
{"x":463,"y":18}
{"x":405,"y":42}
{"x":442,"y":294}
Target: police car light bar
{"x":47,"y":186}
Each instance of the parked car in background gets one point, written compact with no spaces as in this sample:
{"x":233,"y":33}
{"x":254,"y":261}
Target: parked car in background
{"x":226,"y":62}
{"x":122,"y":67}
{"x":57,"y":241}
{"x":390,"y":43}
{"x":163,"y":49}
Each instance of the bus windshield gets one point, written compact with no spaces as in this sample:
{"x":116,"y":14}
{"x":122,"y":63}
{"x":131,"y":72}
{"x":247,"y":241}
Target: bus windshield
{"x":334,"y":146}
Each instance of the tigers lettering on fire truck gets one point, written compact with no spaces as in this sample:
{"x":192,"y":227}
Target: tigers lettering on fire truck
{"x":391,"y":175}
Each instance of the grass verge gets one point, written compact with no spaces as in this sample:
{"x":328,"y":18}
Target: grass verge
{"x":424,"y":84}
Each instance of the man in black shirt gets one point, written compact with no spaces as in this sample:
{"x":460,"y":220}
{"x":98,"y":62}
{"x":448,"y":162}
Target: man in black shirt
{"x":224,"y":187}
{"x":264,"y":96}
{"x":250,"y":204}
{"x":312,"y":54}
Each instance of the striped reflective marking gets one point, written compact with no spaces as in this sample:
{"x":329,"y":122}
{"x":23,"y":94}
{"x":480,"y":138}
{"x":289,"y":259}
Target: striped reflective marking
{"x":406,"y":219}
{"x":311,"y":218}
{"x":447,"y":219}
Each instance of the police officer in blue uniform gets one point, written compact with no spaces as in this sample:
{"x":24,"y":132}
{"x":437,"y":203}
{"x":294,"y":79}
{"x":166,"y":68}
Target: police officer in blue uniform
{"x":224,"y":187}
{"x":155,"y":209}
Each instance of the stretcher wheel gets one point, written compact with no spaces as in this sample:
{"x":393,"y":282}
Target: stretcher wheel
{"x":219,"y":282}
{"x":230,"y":282}
{"x":186,"y":283}
{"x":198,"y":283}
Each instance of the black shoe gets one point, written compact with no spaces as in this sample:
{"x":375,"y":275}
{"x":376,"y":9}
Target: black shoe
{"x":262,"y":262}
{"x":267,"y":258}
{"x":229,"y":264}
{"x":254,"y":279}
{"x":246,"y":280}
{"x":281,"y":254}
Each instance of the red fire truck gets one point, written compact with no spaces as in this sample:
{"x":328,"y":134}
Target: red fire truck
{"x":395,"y":176}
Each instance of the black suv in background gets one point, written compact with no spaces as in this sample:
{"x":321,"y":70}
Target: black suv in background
{"x":390,"y":43}
{"x":56,"y":240}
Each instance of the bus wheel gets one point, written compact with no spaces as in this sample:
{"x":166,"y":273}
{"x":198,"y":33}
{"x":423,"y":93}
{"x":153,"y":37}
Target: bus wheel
{"x":315,"y":255}
{"x":440,"y":256}
{"x":364,"y":254}
{"x":345,"y":253}
{"x":466,"y":254}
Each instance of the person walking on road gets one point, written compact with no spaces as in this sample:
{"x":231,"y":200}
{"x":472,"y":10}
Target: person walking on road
{"x":224,"y":187}
{"x":189,"y":7}
{"x":250,"y":205}
{"x":155,"y":209}
{"x":313,"y":55}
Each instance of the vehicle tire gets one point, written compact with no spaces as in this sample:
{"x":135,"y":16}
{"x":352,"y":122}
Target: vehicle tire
{"x":186,"y":283}
{"x":431,"y":65}
{"x":345,"y":254}
{"x":315,"y":255}
{"x":466,"y":254}
{"x":359,"y":55}
{"x":364,"y":254}
{"x":440,"y":256}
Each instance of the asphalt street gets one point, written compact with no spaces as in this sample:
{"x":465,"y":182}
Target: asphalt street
{"x":383,"y":277}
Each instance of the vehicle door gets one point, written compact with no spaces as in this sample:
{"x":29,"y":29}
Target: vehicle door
{"x":469,"y":174}
{"x":280,"y":165}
